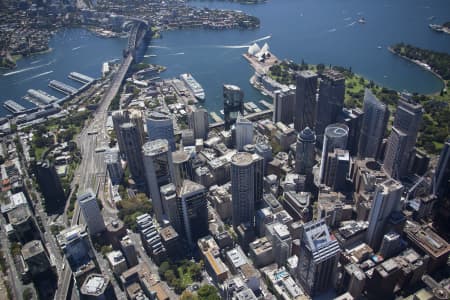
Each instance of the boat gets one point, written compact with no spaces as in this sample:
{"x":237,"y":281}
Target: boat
{"x":361,"y":20}
{"x":193,"y":85}
{"x":379,"y":47}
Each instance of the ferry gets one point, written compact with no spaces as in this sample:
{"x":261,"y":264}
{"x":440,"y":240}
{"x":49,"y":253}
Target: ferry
{"x":193,"y":85}
{"x":362,"y":20}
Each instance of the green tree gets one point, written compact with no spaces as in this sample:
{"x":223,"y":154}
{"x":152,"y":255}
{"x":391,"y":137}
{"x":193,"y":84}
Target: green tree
{"x":208,"y":292}
{"x":187,"y":295}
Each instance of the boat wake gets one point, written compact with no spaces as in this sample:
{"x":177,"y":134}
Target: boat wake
{"x":179,"y":53}
{"x":27,"y":69}
{"x":332,"y":30}
{"x":35,"y":62}
{"x":351,"y":24}
{"x":348,"y":19}
{"x":233,"y":46}
{"x":76,"y":48}
{"x":150,"y":55}
{"x":158,"y":47}
{"x":37,"y":76}
{"x":261,"y":39}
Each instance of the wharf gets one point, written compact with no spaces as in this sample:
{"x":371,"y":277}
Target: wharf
{"x":216,"y":117}
{"x":80,"y":77}
{"x":13,"y":107}
{"x":266,"y":104}
{"x":62,"y":87}
{"x":38,"y":97}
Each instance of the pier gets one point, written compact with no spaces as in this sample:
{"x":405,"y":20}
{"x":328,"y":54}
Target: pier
{"x":62,"y":87}
{"x":13,"y":107}
{"x":80,"y":77}
{"x":38,"y":97}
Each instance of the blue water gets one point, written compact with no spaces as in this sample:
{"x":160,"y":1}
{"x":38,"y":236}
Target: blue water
{"x":318,"y":31}
{"x":73,"y":50}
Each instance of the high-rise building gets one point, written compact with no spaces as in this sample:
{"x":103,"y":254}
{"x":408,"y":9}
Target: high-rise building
{"x":335,"y":136}
{"x":386,"y":200}
{"x":305,"y":100}
{"x":353,"y":118}
{"x":264,"y":150}
{"x":36,"y":257}
{"x":182,"y":167}
{"x":158,"y":171}
{"x":193,"y":211}
{"x":91,"y":212}
{"x":199,"y":123}
{"x":284,"y":105}
{"x":244,"y":132}
{"x":305,"y":154}
{"x":160,"y":126}
{"x":318,"y":260}
{"x":120,"y":117}
{"x":281,"y":239}
{"x":246,"y":188}
{"x":375,"y":119}
{"x":98,"y":287}
{"x":129,"y":251}
{"x":330,"y":101}
{"x":132,"y":151}
{"x":441,"y":179}
{"x":407,"y":121}
{"x":50,"y":186}
{"x":76,"y":246}
{"x":114,"y":166}
{"x":337,"y":170}
{"x":233,"y":104}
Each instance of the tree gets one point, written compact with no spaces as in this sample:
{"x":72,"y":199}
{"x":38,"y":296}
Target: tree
{"x":170,"y":277}
{"x":208,"y":292}
{"x":188,"y":295}
{"x":165,"y":266}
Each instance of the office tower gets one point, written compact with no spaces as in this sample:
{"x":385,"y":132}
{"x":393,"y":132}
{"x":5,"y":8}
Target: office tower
{"x":264,"y":150}
{"x":246,"y":186}
{"x":335,"y":137}
{"x":386,"y":200}
{"x":353,"y":118}
{"x":158,"y":171}
{"x":375,"y":119}
{"x":35,"y":257}
{"x":319,"y":256}
{"x":91,"y":212}
{"x":193,"y":211}
{"x":50,"y":186}
{"x":284,"y":105}
{"x":330,"y":101}
{"x":137,"y":118}
{"x":305,"y":100}
{"x":98,"y":287}
{"x":244,"y":132}
{"x":281,"y":239}
{"x":199,"y":123}
{"x":75,"y":244}
{"x":120,"y":117}
{"x":114,"y":166}
{"x":132,"y":151}
{"x":160,"y":126}
{"x":22,"y":221}
{"x":337,"y":170}
{"x":401,"y":142}
{"x":305,"y":154}
{"x":182,"y":167}
{"x":441,"y":179}
{"x":391,"y":245}
{"x":233,"y":104}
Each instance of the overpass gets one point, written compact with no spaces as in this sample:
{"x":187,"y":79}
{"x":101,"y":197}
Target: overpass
{"x":91,"y":165}
{"x":251,"y":117}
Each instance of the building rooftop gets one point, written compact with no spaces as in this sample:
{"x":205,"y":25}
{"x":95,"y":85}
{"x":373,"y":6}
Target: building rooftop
{"x":94,"y":285}
{"x":307,"y":74}
{"x":426,"y":239}
{"x":179,"y":157}
{"x":155,"y":147}
{"x":231,"y":87}
{"x":168,"y":233}
{"x":242,"y":159}
{"x":336,"y":130}
{"x":32,"y":248}
{"x":236,"y":258}
{"x":189,"y":187}
{"x":261,"y":245}
{"x":333,"y":75}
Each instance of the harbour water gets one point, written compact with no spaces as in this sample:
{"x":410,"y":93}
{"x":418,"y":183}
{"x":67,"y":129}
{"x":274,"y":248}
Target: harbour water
{"x":318,"y":31}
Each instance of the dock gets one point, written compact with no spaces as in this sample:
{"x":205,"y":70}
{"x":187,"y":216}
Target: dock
{"x":216,"y":117}
{"x":39,"y":97}
{"x":62,"y":87}
{"x":266,"y":104}
{"x":13,"y":106}
{"x":80,"y":77}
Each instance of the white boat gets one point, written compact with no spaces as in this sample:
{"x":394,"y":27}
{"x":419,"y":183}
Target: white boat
{"x":193,"y":85}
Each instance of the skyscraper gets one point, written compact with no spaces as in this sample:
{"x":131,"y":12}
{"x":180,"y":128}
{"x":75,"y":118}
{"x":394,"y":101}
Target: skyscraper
{"x":233,"y":104}
{"x":114,"y":166}
{"x":386,"y":200}
{"x":132,"y":150}
{"x":244,"y":132}
{"x":376,"y":116}
{"x":335,"y":136}
{"x":160,"y":126}
{"x":182,"y":167}
{"x":91,"y":212}
{"x":284,"y":105}
{"x":193,"y":211}
{"x":330,"y":101}
{"x":441,"y":179}
{"x":246,"y":186}
{"x":353,"y":118}
{"x":120,"y":117}
{"x":305,"y":153}
{"x":319,"y":256}
{"x":305,"y":100}
{"x":408,"y":118}
{"x":337,"y":168}
{"x":199,"y":123}
{"x":158,"y":171}
{"x":50,"y":186}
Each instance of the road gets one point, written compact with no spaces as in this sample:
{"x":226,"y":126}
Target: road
{"x":92,"y":166}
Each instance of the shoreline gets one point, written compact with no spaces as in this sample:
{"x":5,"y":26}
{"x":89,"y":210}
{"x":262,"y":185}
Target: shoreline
{"x":419,"y":63}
